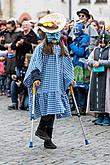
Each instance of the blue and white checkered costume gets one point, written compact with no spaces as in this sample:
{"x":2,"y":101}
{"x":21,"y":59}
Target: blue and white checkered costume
{"x":56,"y":75}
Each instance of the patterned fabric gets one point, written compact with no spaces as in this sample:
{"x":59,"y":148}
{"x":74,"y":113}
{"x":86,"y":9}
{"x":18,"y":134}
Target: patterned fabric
{"x":51,"y":36}
{"x":81,"y":74}
{"x":56,"y":75}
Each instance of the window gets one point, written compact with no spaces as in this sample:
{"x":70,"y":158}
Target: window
{"x":84,"y":1}
{"x":101,"y":1}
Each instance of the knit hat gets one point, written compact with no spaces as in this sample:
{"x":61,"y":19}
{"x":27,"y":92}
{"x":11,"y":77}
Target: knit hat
{"x":84,"y":11}
{"x":3,"y":22}
{"x":78,"y":28}
{"x":52,"y":23}
{"x":105,"y":38}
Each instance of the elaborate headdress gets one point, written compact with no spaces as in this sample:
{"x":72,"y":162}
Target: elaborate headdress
{"x":52,"y":23}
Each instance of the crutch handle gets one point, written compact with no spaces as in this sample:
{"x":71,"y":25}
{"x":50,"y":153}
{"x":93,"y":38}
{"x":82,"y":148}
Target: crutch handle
{"x":71,"y":89}
{"x":34,"y":89}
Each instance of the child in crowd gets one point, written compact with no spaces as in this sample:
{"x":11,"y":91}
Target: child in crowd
{"x":2,"y":76}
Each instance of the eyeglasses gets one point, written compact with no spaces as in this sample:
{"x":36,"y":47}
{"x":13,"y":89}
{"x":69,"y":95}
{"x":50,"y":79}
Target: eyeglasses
{"x":81,"y":15}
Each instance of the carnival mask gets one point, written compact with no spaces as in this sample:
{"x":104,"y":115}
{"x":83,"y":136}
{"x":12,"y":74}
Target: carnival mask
{"x":78,"y":29}
{"x":51,"y":36}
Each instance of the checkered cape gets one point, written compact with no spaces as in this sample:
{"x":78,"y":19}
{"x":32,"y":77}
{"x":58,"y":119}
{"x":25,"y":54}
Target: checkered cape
{"x":56,"y":75}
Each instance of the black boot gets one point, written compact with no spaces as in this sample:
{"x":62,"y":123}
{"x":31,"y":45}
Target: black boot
{"x":14,"y":106}
{"x":41,"y":130}
{"x":41,"y":133}
{"x":48,"y":143}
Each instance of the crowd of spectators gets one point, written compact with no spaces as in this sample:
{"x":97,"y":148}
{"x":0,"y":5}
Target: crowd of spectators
{"x":19,"y":39}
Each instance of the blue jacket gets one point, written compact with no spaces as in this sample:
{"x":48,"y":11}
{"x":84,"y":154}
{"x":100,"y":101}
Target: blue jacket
{"x":80,"y":48}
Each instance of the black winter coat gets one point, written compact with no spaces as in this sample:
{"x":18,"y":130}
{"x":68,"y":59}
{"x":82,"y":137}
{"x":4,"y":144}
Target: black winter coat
{"x":29,"y":39}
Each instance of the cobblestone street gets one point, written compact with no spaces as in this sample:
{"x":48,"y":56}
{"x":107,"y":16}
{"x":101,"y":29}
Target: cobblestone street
{"x":15,"y":134}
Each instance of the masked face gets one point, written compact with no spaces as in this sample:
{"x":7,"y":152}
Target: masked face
{"x":104,"y":40}
{"x":78,"y":29}
{"x":53,"y":36}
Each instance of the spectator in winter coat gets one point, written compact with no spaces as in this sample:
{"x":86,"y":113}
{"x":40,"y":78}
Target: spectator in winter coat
{"x":79,"y":46}
{"x":24,"y":44}
{"x":10,"y":36}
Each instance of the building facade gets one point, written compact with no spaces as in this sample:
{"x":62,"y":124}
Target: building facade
{"x":100,"y":9}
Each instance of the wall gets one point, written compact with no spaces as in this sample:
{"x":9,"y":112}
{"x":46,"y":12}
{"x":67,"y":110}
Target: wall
{"x":33,"y":7}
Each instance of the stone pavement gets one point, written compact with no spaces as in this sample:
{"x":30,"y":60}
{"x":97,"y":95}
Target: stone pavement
{"x":15,"y":134}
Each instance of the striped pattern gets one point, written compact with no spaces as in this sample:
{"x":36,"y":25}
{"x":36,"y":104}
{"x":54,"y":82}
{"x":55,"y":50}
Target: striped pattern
{"x":56,"y":76}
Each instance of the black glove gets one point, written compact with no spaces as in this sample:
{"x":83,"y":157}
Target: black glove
{"x":36,"y":75}
{"x":69,"y":40}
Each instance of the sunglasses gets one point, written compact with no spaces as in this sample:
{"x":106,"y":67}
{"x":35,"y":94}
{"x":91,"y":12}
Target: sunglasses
{"x":81,"y":15}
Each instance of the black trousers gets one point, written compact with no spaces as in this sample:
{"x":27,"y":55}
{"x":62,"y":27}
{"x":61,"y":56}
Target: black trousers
{"x":46,"y":121}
